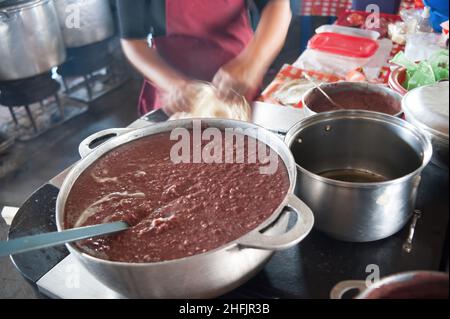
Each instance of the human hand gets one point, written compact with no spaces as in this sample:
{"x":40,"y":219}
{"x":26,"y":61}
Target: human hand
{"x":238,"y":76}
{"x":179,"y":97}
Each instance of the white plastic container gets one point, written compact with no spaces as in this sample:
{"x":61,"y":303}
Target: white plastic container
{"x":374,"y":35}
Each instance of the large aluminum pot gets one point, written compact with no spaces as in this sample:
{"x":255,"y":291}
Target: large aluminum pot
{"x":381,"y":146}
{"x":407,"y":285}
{"x":30,"y":39}
{"x":209,"y":274}
{"x":94,"y":18}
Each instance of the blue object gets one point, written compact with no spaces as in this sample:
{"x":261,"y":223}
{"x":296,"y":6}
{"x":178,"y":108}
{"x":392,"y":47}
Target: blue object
{"x":439,"y":12}
{"x":440,"y":6}
{"x":295,"y":7}
{"x":386,"y":6}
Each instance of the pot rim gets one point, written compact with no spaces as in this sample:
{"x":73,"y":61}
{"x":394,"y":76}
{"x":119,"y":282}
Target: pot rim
{"x":416,"y":122}
{"x":366,"y":115}
{"x":108,"y":146}
{"x":400,"y":278}
{"x":358,"y":84}
{"x":394,"y":82}
{"x":23,"y":6}
{"x":443,"y":138}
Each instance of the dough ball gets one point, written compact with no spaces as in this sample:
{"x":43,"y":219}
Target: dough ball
{"x":206,"y":104}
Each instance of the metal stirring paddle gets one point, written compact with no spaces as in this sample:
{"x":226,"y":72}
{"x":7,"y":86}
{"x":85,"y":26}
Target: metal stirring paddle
{"x":35,"y":242}
{"x":322,"y":91}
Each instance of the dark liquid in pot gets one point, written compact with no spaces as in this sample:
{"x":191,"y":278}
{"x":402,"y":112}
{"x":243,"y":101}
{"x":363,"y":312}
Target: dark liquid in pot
{"x":354,"y":176}
{"x":175,"y":210}
{"x":355,"y":100}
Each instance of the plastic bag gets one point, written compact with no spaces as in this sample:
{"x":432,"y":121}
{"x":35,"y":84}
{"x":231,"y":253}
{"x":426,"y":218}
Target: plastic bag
{"x":402,"y":60}
{"x":340,"y":65}
{"x":424,"y":75}
{"x":426,"y":72}
{"x":411,"y":17}
{"x":421,"y":46}
{"x":439,"y":62}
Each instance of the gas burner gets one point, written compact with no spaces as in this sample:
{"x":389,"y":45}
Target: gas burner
{"x":40,"y":117}
{"x":27,"y":91}
{"x":91,"y":71}
{"x":22,"y":93}
{"x":34,"y":106}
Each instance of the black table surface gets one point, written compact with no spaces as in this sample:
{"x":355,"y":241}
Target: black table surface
{"x":308,"y":270}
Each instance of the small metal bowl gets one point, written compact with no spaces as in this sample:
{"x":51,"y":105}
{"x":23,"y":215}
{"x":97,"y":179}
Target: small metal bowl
{"x":353,"y":86}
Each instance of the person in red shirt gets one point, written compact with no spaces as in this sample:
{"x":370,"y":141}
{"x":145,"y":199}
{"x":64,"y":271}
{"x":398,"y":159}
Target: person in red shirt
{"x":175,"y":42}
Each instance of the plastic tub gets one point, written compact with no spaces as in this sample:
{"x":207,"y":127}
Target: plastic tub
{"x":342,"y":44}
{"x":332,"y":28}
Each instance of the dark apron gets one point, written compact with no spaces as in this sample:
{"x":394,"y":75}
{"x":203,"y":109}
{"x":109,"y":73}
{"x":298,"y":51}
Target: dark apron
{"x":201,"y":36}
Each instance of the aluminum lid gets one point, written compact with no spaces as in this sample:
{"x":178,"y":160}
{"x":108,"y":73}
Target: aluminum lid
{"x":428,"y":108}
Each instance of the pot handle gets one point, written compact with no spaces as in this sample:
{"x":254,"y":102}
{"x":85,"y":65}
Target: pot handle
{"x":341,"y":288}
{"x":85,"y":147}
{"x":302,"y":227}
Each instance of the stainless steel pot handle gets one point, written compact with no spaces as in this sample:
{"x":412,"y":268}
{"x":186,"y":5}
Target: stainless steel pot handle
{"x":85,"y":147}
{"x":302,"y":227}
{"x":341,"y":288}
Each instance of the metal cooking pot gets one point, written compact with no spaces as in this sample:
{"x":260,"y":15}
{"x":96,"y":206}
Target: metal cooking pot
{"x":427,"y":108}
{"x":95,"y":18}
{"x":408,"y":285}
{"x":206,"y":275}
{"x":373,"y":143}
{"x":331,"y":88}
{"x":31,"y":41}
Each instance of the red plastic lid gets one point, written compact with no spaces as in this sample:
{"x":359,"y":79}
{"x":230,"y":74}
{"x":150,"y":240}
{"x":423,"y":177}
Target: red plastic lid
{"x":342,"y":44}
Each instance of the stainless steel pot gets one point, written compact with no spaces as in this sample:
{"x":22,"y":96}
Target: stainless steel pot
{"x":95,"y":21}
{"x":206,"y":275}
{"x":408,"y":285}
{"x":368,"y":142}
{"x":31,"y":41}
{"x":329,"y":88}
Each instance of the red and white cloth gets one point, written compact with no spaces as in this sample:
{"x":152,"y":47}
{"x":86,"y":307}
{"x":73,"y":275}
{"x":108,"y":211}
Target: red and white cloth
{"x":334,"y":8}
{"x":289,"y":73}
{"x":326,"y":8}
{"x":330,"y":8}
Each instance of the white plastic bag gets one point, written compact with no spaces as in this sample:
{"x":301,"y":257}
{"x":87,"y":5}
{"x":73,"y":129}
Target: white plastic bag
{"x":341,"y":65}
{"x":421,"y":46}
